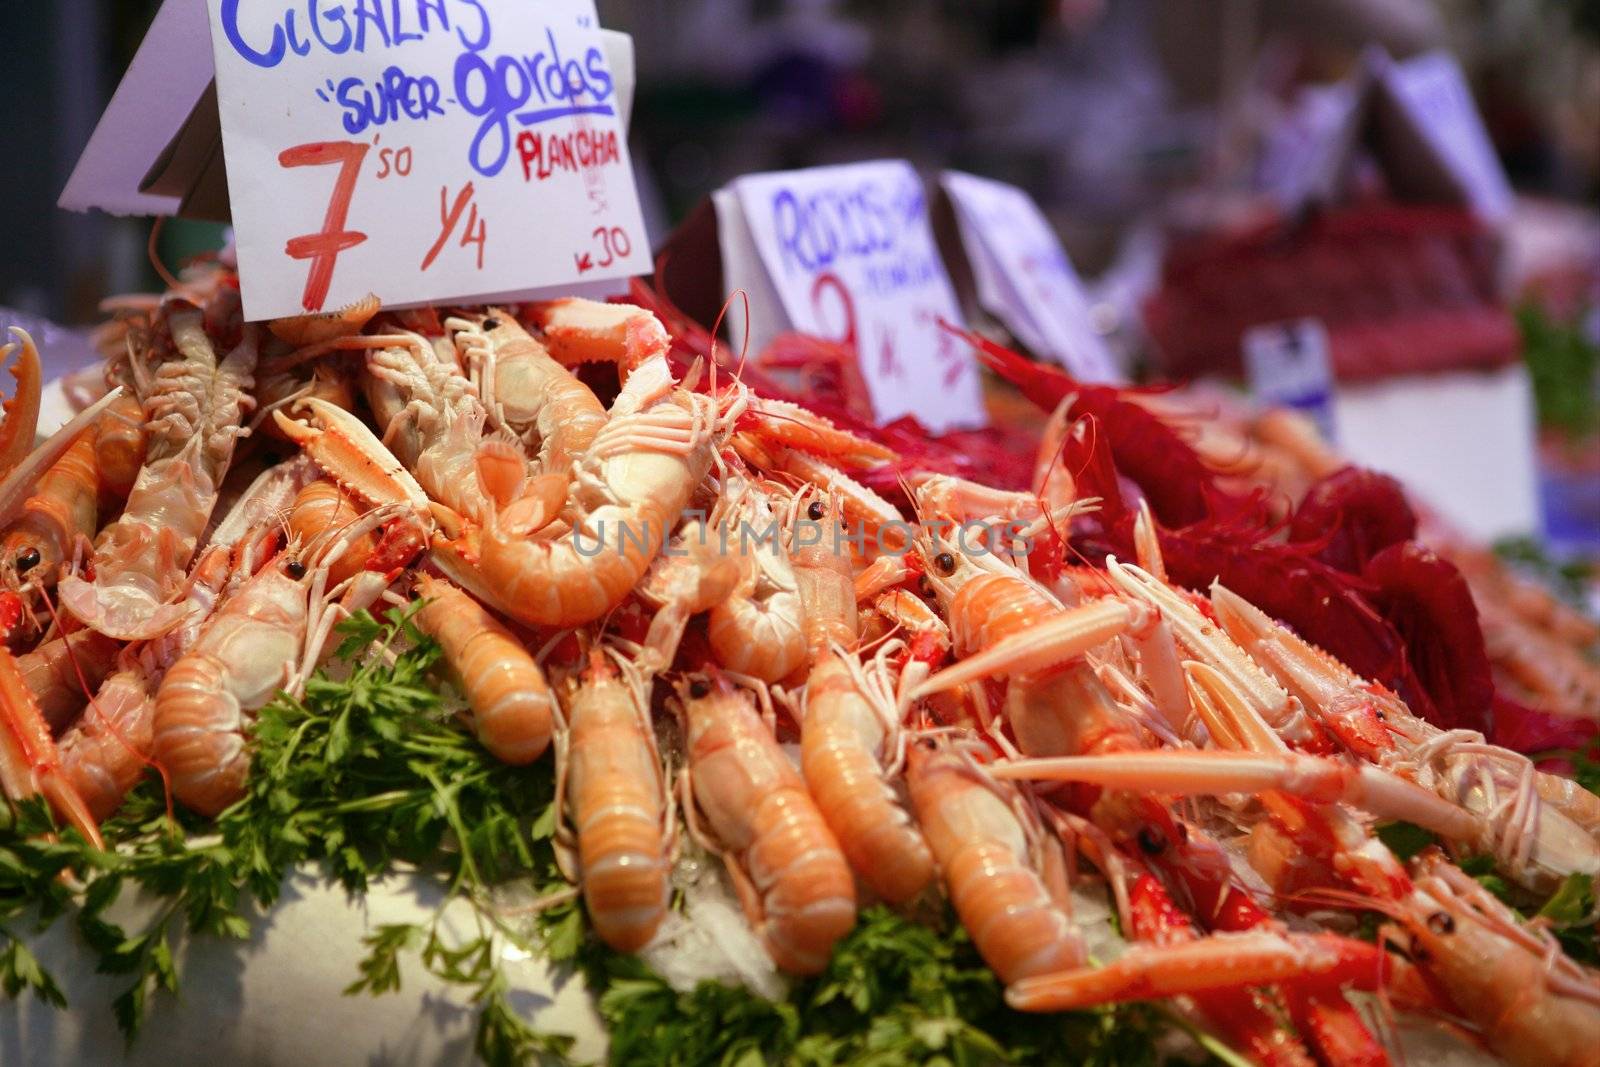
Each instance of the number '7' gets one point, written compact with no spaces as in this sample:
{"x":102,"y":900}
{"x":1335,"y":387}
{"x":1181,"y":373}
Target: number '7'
{"x":324,"y":246}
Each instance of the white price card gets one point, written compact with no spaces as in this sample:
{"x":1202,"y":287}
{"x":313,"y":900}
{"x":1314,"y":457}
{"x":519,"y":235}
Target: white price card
{"x":422,"y":150}
{"x":1304,"y":153}
{"x":850,"y":254}
{"x":1290,"y":364}
{"x":1023,"y":276}
{"x":1434,"y":99}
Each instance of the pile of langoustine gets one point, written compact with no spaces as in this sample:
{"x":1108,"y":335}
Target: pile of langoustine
{"x":1256,"y":497}
{"x":986,"y":685}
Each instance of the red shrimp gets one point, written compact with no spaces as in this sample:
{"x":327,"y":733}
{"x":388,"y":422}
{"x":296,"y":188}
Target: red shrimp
{"x":1180,"y":487}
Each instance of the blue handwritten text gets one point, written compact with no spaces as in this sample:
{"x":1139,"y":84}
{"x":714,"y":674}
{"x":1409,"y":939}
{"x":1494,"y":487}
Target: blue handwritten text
{"x":362,"y":25}
{"x":816,"y":230}
{"x":530,"y":89}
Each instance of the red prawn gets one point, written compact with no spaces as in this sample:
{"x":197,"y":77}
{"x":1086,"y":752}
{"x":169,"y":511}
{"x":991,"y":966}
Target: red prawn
{"x":1356,"y":513}
{"x":1524,"y":729}
{"x":1406,"y":621}
{"x":1180,"y":487}
{"x":1321,"y":1013}
{"x":1323,"y":1016}
{"x":1427,"y":601}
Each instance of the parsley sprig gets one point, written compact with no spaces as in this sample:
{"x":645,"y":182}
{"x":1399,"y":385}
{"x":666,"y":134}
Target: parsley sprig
{"x":896,"y":992}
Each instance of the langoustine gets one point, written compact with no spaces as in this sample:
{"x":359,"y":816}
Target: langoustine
{"x":195,"y":408}
{"x":265,"y":639}
{"x":511,"y":704}
{"x":792,"y":877}
{"x":617,"y":801}
{"x":851,"y":748}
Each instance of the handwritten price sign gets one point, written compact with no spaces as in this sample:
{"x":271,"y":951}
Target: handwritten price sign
{"x":424,"y":150}
{"x":1435,"y":106}
{"x":1023,"y":276}
{"x":851,"y":256}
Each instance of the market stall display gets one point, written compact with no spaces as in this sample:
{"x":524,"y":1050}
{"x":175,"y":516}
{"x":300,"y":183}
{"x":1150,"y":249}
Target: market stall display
{"x":443,"y":621}
{"x":639,"y":573}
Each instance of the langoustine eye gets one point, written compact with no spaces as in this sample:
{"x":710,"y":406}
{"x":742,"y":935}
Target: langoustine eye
{"x":1152,"y":841}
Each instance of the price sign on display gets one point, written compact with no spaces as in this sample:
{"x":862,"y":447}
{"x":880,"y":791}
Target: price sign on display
{"x":1432,"y":100}
{"x":423,"y":150}
{"x":848,"y":253}
{"x":1303,"y":154}
{"x":1023,"y":276}
{"x":1289,"y":363}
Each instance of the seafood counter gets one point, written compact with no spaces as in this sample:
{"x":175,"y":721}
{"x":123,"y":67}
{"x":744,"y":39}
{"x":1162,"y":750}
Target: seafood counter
{"x":595,"y":657}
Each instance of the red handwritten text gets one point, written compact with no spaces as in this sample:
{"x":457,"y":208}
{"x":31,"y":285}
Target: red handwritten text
{"x":614,"y":244}
{"x":544,"y":154}
{"x":323,"y":247}
{"x":474,"y":233}
{"x":825,"y":282}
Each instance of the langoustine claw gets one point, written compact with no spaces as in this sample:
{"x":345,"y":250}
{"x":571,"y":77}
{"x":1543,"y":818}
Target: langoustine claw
{"x":20,"y":419}
{"x":302,"y":330}
{"x":1538,"y":832}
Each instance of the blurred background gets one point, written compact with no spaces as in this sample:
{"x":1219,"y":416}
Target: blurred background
{"x":1110,"y":112}
{"x":1161,"y":137}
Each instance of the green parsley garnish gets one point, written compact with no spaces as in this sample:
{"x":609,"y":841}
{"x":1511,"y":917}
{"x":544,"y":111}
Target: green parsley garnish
{"x":897,"y":992}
